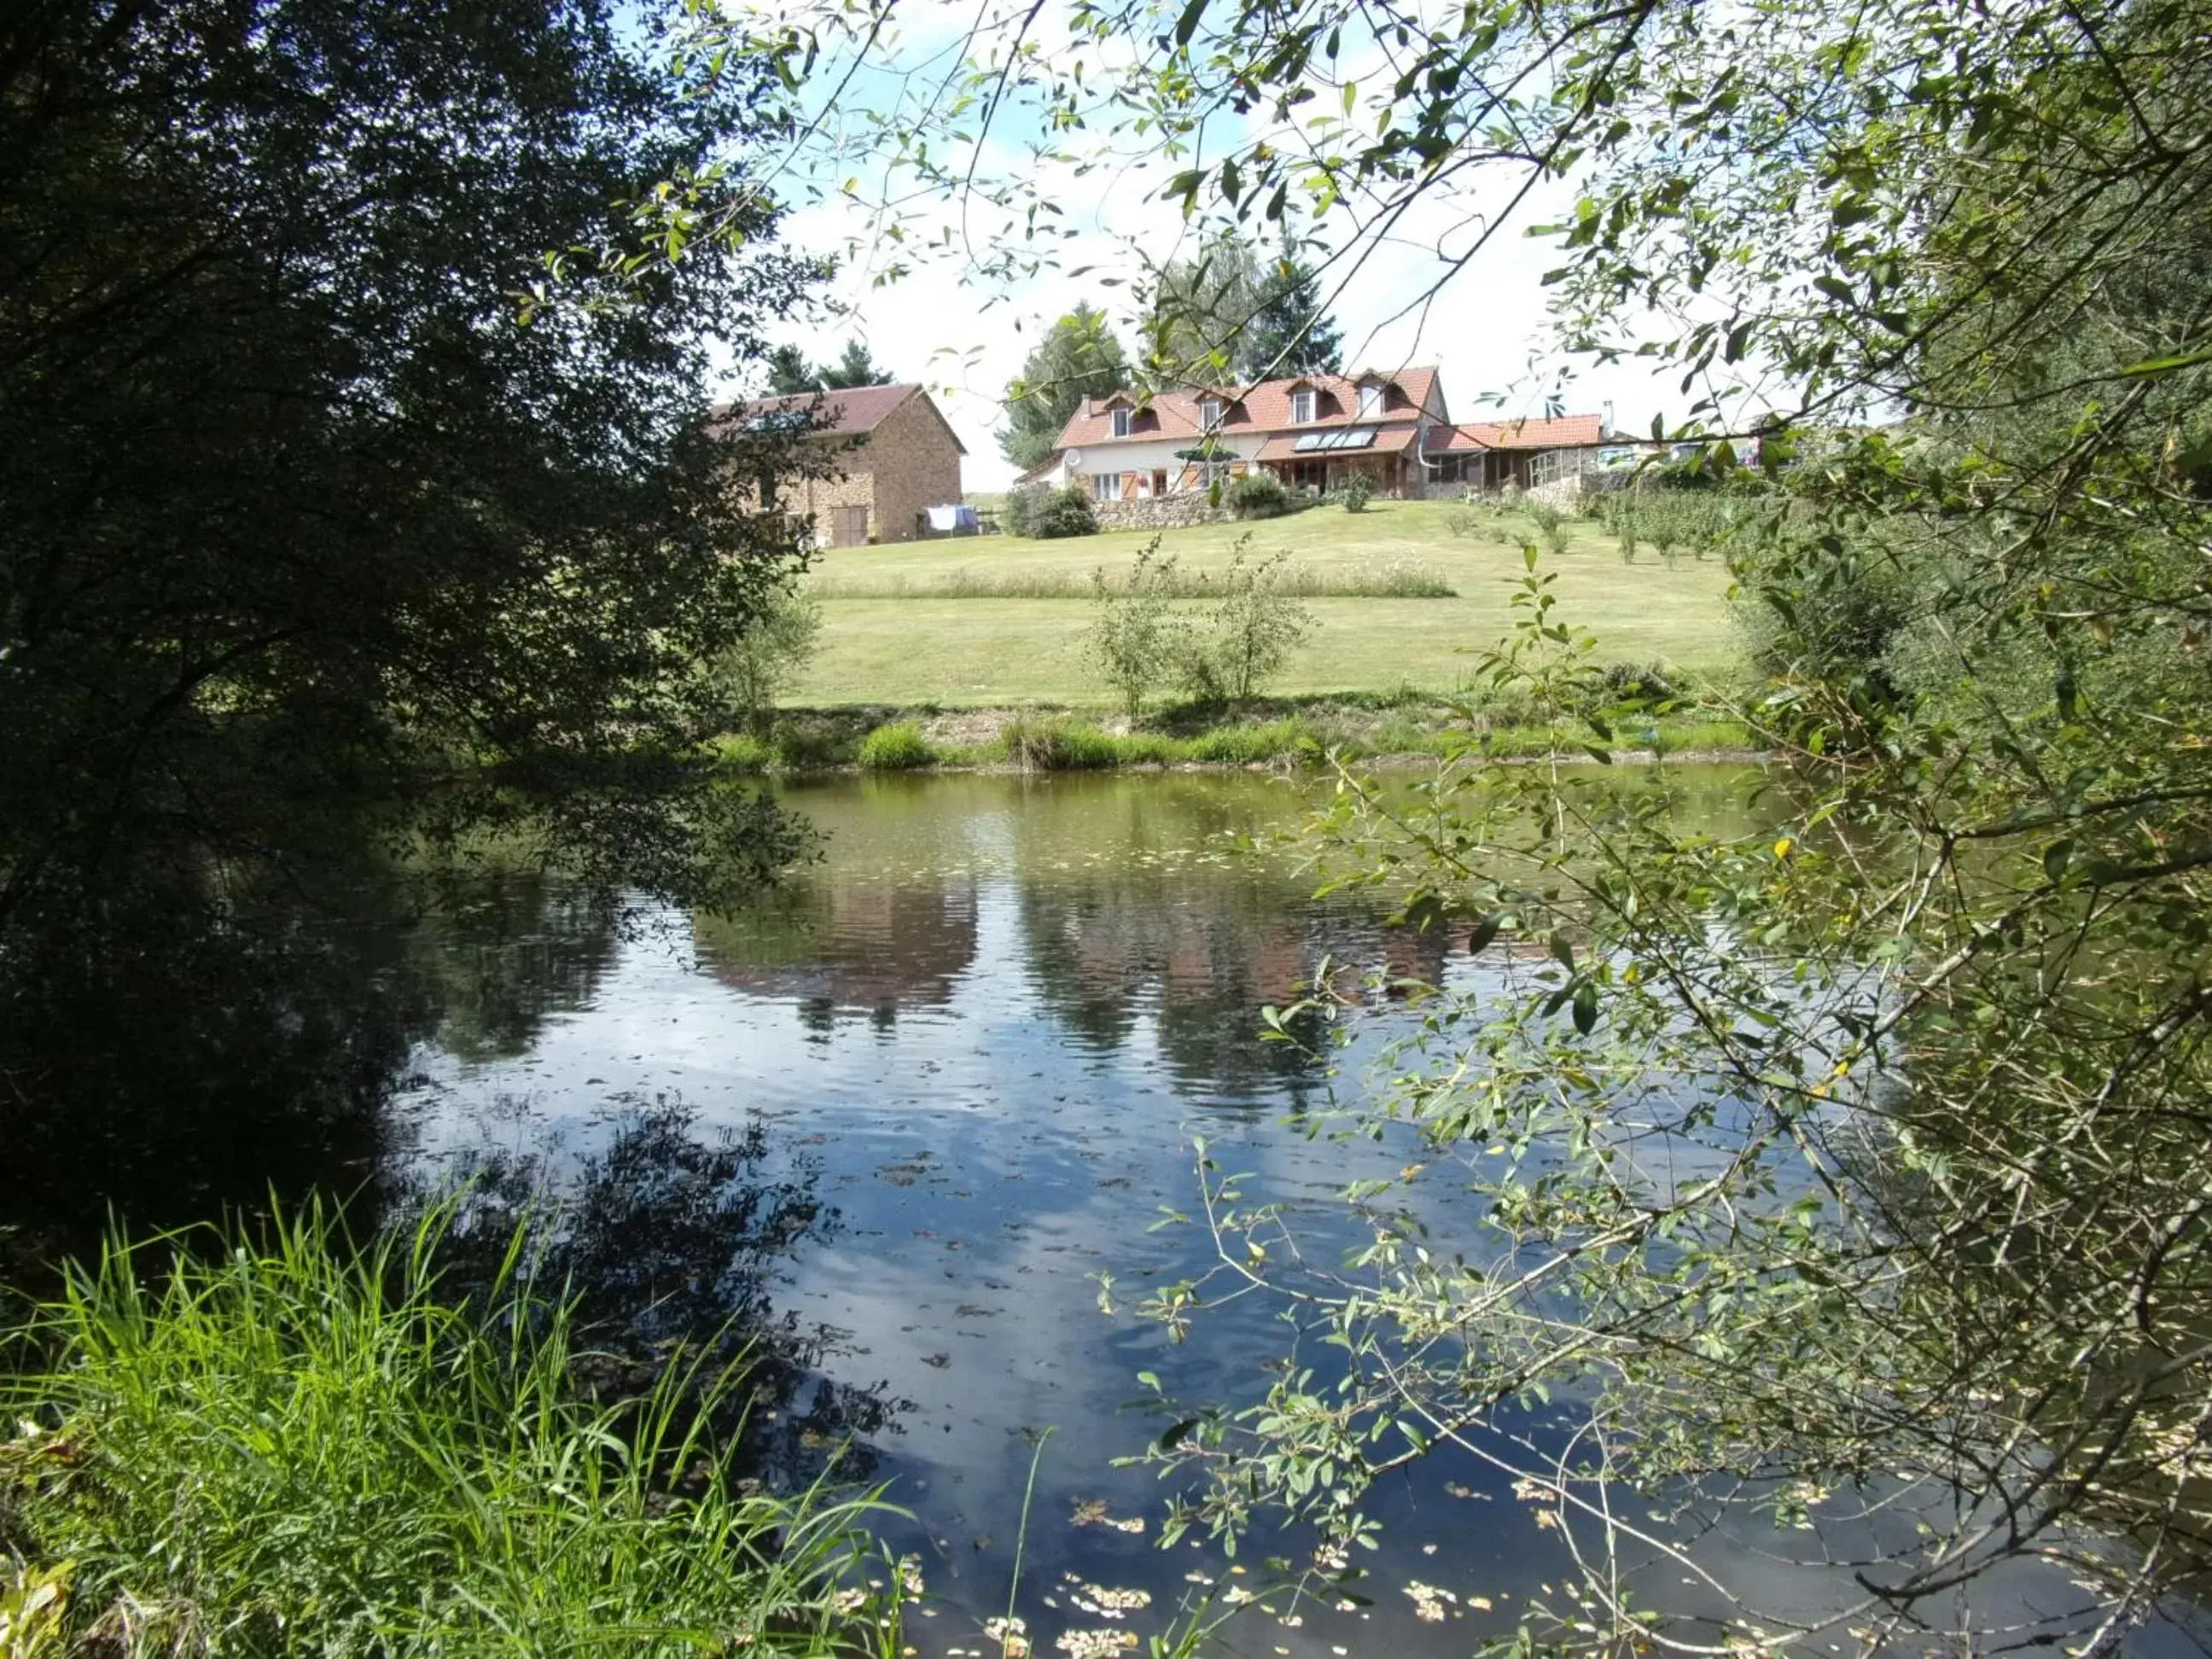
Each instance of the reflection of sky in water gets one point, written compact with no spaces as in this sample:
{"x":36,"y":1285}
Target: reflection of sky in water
{"x":994,"y":1017}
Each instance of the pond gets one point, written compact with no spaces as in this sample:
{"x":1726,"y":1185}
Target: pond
{"x":980,"y":1037}
{"x":918,"y":1125}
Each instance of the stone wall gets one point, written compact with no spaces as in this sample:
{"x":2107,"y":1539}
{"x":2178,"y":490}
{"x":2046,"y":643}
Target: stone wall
{"x":1159,"y":511}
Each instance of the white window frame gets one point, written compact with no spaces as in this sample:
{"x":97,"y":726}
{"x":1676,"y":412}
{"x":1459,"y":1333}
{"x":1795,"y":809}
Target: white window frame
{"x":1124,"y":417}
{"x":1209,"y":414}
{"x":1105,"y":486}
{"x":1304,"y":405}
{"x":1370,"y":400}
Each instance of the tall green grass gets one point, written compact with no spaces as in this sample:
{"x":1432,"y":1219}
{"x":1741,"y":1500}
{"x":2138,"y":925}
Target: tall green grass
{"x":281,"y":1445}
{"x":1373,"y":579}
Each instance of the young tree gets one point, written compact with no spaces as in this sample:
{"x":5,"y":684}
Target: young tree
{"x":749,"y":675}
{"x":1079,"y":357}
{"x":1135,"y":641}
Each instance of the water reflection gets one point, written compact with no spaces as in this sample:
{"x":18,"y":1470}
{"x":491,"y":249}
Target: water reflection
{"x":667,"y":1238}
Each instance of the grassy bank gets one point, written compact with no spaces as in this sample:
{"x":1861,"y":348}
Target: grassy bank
{"x":291,"y":1448}
{"x":1280,"y":732}
{"x":1406,"y":594}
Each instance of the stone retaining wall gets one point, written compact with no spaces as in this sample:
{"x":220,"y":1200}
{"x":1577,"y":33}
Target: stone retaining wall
{"x":1159,"y":511}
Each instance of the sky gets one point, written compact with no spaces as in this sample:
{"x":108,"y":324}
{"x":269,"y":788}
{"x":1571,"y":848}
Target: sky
{"x":928,"y":313}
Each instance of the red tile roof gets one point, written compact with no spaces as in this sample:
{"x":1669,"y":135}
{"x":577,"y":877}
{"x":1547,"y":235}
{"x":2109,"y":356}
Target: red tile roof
{"x":1265,"y":407}
{"x":849,"y":412}
{"x":1566,"y":432}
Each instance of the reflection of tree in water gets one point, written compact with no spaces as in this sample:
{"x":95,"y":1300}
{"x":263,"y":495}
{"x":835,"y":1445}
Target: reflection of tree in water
{"x":185,"y":1050}
{"x":668,"y":1236}
{"x":504,"y":952}
{"x":167,"y":1057}
{"x":1204,"y":954}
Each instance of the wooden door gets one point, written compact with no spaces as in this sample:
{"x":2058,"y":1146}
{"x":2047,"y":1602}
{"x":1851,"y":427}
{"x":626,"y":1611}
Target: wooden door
{"x":848,"y":526}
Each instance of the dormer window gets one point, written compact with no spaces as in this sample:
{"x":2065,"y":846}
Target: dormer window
{"x":1209,"y":413}
{"x":1123,"y":415}
{"x":1302,"y":408}
{"x":1370,"y":399}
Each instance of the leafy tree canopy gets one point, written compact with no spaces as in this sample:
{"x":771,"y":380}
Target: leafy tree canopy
{"x":1231,"y":312}
{"x":1079,"y":357}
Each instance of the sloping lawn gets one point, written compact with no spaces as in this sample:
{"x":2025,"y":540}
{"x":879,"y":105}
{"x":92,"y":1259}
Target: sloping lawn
{"x":919,"y":623}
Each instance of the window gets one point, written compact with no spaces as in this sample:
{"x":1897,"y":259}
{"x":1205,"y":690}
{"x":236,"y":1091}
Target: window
{"x":1105,"y":486}
{"x":1123,"y":416}
{"x":1209,"y":414}
{"x":1302,"y":407}
{"x":1370,"y":400}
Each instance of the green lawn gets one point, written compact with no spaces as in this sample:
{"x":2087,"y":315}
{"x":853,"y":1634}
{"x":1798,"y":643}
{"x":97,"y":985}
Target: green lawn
{"x":909,"y":641}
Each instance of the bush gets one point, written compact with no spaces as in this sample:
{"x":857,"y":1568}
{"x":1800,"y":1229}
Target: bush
{"x":898,"y":747}
{"x":1260,"y":495}
{"x":1358,"y":490}
{"x":1023,"y":505}
{"x":285,"y":1446}
{"x":1551,"y":525}
{"x":1064,"y":513}
{"x":744,"y":680}
{"x":1634,"y":685}
{"x":1133,"y":639}
{"x":1249,"y":634}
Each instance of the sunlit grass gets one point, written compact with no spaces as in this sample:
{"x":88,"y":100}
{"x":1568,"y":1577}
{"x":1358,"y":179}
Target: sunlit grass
{"x":283,"y":1446}
{"x":976,"y":621}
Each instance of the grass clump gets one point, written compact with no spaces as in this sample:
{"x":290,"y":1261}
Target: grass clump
{"x":898,"y":747}
{"x":1059,"y":745}
{"x":287,"y":1446}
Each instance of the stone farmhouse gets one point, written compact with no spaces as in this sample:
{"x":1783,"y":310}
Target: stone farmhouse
{"x":1313,"y":431}
{"x":892,"y":457}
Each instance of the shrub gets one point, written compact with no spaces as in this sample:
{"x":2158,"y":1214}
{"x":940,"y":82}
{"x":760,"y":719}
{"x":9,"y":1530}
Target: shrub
{"x":796,"y":748}
{"x":1022,"y":506}
{"x":1634,"y":685}
{"x":1249,"y":634}
{"x":1260,"y":495}
{"x":1358,"y":490}
{"x":898,"y":747}
{"x":1064,"y":511}
{"x":1465,"y":522}
{"x":283,"y":1445}
{"x":1551,"y":525}
{"x":1133,"y":637}
{"x":744,"y":680}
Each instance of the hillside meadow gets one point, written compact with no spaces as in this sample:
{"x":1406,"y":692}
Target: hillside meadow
{"x":1000,"y":620}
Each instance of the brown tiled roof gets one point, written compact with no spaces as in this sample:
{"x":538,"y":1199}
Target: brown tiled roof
{"x":848,"y":412}
{"x":1265,"y":407}
{"x":1389,"y":440}
{"x":1567,"y":432}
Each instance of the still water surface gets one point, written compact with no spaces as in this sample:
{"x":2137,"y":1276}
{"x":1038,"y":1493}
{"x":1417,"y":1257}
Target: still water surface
{"x":937,"y":1086}
{"x":981,"y":1036}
